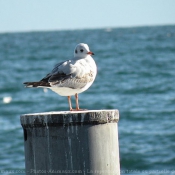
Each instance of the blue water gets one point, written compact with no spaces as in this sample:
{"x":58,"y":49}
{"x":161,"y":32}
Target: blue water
{"x":136,"y":74}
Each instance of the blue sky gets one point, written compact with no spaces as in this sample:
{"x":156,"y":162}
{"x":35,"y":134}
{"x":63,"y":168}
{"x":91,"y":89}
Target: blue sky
{"x":34,"y":15}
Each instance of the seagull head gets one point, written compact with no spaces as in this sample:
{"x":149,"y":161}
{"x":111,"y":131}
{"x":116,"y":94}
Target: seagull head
{"x":82,"y":50}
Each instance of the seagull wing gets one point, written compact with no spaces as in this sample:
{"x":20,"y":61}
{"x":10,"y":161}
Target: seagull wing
{"x":71,"y":73}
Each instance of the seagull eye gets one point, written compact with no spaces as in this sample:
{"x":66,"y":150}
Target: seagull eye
{"x":76,"y":51}
{"x":81,"y":50}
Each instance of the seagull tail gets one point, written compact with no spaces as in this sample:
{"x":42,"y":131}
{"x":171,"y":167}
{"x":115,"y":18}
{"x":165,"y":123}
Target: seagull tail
{"x":37,"y":84}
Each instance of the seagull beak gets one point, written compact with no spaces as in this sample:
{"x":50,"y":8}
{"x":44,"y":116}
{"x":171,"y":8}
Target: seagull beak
{"x":90,"y":53}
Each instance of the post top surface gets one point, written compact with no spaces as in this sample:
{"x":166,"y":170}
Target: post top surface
{"x":70,"y":117}
{"x":69,"y":112}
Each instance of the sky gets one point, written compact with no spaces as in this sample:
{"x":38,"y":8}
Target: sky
{"x":46,"y":15}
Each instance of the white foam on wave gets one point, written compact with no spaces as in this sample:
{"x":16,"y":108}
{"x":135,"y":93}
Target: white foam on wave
{"x":7,"y":99}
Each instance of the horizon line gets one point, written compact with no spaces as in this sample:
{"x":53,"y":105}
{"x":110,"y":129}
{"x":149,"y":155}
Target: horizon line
{"x":90,"y":28}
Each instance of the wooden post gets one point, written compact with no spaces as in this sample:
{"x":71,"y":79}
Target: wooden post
{"x":83,"y":142}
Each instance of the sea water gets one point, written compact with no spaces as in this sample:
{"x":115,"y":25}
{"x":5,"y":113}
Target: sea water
{"x":136,"y":75}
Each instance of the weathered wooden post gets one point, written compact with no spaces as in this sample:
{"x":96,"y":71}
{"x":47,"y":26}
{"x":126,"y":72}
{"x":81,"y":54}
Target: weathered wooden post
{"x":84,"y":142}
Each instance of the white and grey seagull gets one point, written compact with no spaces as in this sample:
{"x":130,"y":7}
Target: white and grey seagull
{"x":71,"y":77}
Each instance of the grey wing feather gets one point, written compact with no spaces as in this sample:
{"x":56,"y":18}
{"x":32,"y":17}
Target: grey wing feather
{"x":69,"y":74}
{"x":61,"y":75}
{"x":55,"y":69}
{"x":54,"y":73}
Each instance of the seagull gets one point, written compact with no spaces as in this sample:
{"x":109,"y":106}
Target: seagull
{"x":71,"y":77}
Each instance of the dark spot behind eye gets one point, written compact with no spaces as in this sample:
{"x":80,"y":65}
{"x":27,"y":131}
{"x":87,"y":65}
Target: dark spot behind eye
{"x":81,"y":50}
{"x":75,"y":51}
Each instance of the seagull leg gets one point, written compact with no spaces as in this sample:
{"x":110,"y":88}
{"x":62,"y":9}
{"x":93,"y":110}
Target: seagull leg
{"x":70,"y":104}
{"x":77,"y":105}
{"x":76,"y":99}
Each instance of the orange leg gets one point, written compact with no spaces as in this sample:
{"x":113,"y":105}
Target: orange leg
{"x":77,"y":105}
{"x":70,"y":104}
